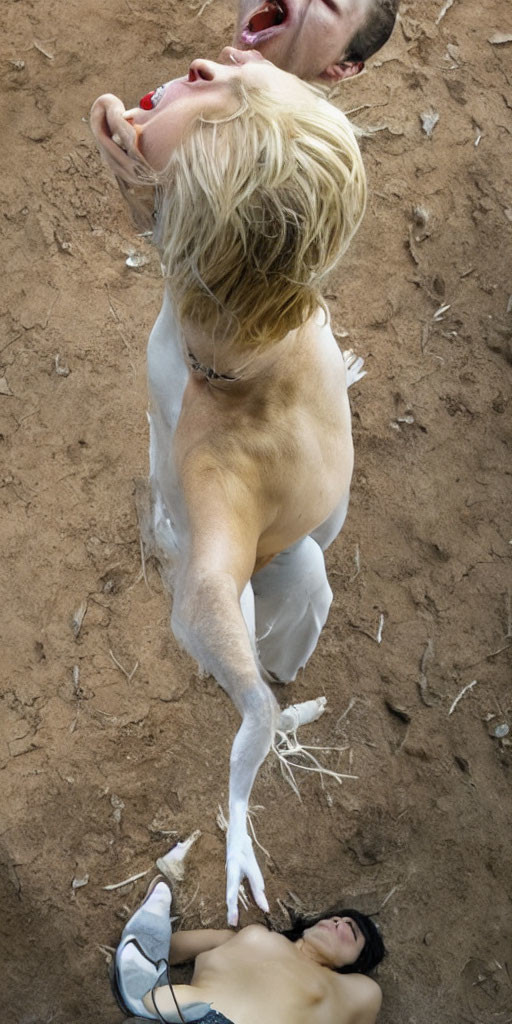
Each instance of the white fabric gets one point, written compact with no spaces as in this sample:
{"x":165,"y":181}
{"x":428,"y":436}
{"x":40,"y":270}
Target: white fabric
{"x":292,"y":598}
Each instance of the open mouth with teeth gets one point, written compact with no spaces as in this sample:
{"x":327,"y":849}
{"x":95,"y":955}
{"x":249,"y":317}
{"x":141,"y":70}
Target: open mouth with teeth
{"x":264,"y":22}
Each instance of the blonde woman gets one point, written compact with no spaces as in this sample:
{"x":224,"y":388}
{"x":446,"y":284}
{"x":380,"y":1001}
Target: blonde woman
{"x":254,"y":186}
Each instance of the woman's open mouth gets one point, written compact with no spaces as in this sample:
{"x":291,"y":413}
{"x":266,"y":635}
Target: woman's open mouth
{"x":264,"y":22}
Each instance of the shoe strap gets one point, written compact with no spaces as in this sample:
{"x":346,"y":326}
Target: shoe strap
{"x":153,"y":1000}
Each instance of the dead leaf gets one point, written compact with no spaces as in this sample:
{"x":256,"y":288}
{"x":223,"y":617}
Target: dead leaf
{"x":4,"y":387}
{"x":429,"y":121}
{"x":43,"y":49}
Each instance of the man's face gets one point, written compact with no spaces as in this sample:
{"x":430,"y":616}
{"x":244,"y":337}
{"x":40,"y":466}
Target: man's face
{"x":307,"y":37}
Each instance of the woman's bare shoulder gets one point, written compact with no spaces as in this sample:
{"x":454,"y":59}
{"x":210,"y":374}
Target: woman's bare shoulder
{"x":364,"y":995}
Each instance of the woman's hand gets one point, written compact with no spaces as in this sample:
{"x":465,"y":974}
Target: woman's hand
{"x":116,"y":136}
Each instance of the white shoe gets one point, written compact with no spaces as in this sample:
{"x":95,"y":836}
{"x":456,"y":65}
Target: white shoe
{"x":134,"y":977}
{"x":150,"y":925}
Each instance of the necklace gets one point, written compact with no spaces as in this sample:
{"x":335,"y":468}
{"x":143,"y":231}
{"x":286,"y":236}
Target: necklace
{"x":207,"y":371}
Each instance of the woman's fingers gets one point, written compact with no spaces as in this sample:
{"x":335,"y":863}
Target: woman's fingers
{"x":108,"y":120}
{"x":116,"y":136}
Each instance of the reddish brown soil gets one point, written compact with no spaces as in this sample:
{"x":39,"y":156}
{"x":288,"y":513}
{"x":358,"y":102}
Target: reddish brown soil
{"x":95,"y":768}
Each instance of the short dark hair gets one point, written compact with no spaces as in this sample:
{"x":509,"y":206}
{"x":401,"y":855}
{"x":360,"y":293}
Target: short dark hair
{"x":373,"y":33}
{"x":372,"y":952}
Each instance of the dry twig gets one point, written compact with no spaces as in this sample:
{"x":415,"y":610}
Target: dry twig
{"x":379,"y":631}
{"x":446,"y":7}
{"x":461,"y":694}
{"x":357,"y":563}
{"x":388,"y":897}
{"x":423,"y":681}
{"x":256,"y":840}
{"x":78,"y":618}
{"x":350,"y":705}
{"x":119,"y":885}
{"x":129,"y":675}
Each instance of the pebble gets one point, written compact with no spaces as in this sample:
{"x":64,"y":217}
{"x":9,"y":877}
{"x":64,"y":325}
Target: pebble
{"x":136,"y":260}
{"x":501,"y":730}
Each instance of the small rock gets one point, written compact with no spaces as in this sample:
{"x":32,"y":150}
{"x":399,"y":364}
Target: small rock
{"x":500,"y":38}
{"x":173,"y":47}
{"x":501,"y":730}
{"x":398,"y":711}
{"x":453,"y":52}
{"x":61,"y":370}
{"x":161,"y":823}
{"x":118,"y":806}
{"x":78,"y":883}
{"x":136,"y":260}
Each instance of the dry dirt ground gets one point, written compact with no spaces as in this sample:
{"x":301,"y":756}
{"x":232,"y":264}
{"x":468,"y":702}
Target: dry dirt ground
{"x":98,"y":762}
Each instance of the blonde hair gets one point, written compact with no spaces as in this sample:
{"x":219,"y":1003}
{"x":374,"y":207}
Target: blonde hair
{"x":252,"y":212}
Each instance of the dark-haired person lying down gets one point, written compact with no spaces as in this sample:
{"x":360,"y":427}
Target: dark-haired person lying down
{"x":314,"y":973}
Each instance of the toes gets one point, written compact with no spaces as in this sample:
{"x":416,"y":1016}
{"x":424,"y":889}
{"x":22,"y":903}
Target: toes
{"x":263,"y":903}
{"x":260,"y":899}
{"x":232,"y":917}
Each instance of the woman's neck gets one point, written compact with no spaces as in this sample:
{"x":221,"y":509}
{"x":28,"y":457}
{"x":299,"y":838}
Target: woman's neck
{"x":310,"y":953}
{"x":224,"y":364}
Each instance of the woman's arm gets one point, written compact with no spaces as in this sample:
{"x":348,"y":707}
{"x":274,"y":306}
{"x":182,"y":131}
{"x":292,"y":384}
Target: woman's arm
{"x":187,"y":945}
{"x":224,"y":524}
{"x":207,"y":620}
{"x":364,"y":996}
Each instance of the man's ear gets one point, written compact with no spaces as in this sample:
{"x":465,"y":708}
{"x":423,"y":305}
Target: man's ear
{"x":347,"y":69}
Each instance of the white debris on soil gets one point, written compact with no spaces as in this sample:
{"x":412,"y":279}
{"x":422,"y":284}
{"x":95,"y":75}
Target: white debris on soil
{"x":428,"y":121}
{"x":172,"y":864}
{"x":500,"y":38}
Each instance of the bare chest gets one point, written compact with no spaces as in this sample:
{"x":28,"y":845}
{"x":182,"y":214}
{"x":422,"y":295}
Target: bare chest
{"x":258,"y":976}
